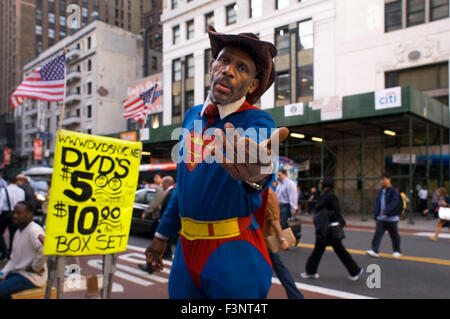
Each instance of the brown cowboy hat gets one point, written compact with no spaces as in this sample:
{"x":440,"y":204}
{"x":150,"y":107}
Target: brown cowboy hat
{"x":262,"y":53}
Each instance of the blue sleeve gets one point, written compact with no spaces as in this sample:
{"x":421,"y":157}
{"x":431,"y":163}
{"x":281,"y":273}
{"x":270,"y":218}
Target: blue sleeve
{"x":257,"y":120}
{"x":391,"y":206}
{"x":170,"y":223}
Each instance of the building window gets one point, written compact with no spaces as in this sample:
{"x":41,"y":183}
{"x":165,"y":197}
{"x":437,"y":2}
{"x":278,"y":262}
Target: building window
{"x":38,"y":30}
{"x":89,"y":88}
{"x":174,"y":4}
{"x":281,"y":4}
{"x":393,"y":15}
{"x":38,"y":15}
{"x":305,"y":61}
{"x":282,"y":40}
{"x":176,"y":70}
{"x":305,"y":35}
{"x":62,"y":34}
{"x":62,"y":21}
{"x":89,"y":43}
{"x":190,"y":66}
{"x":189,"y":99}
{"x":415,"y":12}
{"x":209,"y":20}
{"x":305,"y":82}
{"x":207,"y":60}
{"x":89,"y":65}
{"x":51,"y":18}
{"x":231,"y":13}
{"x":176,"y":34}
{"x":85,"y":12}
{"x":51,"y":33}
{"x":255,"y":8}
{"x":176,"y":105}
{"x":190,"y":29}
{"x":282,"y":88}
{"x":431,"y":79}
{"x":154,"y":63}
{"x":89,"y":111}
{"x":438,"y":9}
{"x":407,"y":13}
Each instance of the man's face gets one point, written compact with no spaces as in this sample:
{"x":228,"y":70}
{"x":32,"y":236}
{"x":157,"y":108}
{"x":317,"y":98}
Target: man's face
{"x":281,"y":176}
{"x":21,"y":215}
{"x":157,"y":179}
{"x":20,"y":182}
{"x":385,"y":182}
{"x":232,"y":75}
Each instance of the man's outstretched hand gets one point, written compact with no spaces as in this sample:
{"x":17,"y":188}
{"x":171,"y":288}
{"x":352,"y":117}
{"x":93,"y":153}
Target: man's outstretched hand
{"x":154,"y":253}
{"x":244,"y":159}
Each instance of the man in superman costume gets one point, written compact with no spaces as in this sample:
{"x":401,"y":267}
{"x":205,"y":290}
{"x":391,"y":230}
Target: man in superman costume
{"x":217,"y":205}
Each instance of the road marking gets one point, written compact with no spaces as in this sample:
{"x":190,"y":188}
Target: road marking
{"x":97,"y":263}
{"x":447,"y":236}
{"x":321,"y":290}
{"x":137,"y":248}
{"x":325,"y":291}
{"x":83,"y":285}
{"x":141,"y":273}
{"x":444,"y":262}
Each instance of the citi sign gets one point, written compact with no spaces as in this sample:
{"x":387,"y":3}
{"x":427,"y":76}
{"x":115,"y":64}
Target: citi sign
{"x":388,"y":98}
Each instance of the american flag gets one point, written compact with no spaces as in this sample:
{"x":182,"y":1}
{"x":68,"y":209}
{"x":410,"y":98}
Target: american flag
{"x":46,"y":83}
{"x":137,"y":107}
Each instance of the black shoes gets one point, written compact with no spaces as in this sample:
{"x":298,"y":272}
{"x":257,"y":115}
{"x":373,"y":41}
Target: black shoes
{"x":146,"y":268}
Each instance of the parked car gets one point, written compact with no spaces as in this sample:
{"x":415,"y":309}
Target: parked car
{"x":142,"y":199}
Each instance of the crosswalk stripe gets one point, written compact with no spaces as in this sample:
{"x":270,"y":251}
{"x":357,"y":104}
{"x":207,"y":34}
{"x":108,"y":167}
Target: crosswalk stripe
{"x":141,"y":273}
{"x":97,"y":264}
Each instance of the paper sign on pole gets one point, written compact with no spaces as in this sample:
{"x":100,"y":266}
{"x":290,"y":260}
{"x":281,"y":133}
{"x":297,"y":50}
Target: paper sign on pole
{"x":7,"y":156}
{"x":37,"y":149}
{"x":91,"y":199}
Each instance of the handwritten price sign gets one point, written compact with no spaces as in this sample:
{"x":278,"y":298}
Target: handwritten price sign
{"x":92,"y":194}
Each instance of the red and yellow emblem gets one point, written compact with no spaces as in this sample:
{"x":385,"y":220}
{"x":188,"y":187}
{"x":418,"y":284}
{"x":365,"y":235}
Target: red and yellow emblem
{"x":198,"y":147}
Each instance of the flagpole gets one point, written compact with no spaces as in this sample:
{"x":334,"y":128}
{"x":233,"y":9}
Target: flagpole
{"x":63,"y":109}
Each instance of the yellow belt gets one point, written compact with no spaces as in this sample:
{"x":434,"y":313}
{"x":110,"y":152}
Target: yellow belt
{"x":193,"y":229}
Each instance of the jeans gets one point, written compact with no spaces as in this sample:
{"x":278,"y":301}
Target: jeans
{"x":6,"y":222}
{"x":285,"y":213}
{"x":313,"y":261}
{"x":285,"y":277}
{"x":392,"y":229}
{"x":14,"y":283}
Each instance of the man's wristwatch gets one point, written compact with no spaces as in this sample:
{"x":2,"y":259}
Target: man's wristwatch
{"x":282,"y":239}
{"x":259,"y":185}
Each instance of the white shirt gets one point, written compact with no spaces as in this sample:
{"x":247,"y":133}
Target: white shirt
{"x":28,"y":251}
{"x":224,"y":110}
{"x":287,"y":193}
{"x":16,"y":194}
{"x":169,"y":188}
{"x":423,"y":194}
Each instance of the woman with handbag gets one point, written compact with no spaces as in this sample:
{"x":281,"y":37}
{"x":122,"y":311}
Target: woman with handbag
{"x":328,"y":202}
{"x":444,"y":201}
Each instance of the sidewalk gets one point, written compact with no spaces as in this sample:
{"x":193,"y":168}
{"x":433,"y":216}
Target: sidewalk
{"x":421,"y":224}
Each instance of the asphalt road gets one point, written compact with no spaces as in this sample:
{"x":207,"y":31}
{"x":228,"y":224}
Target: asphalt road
{"x":422,"y":272}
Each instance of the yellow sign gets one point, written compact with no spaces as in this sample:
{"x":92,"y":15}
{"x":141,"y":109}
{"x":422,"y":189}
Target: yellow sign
{"x":92,"y":194}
